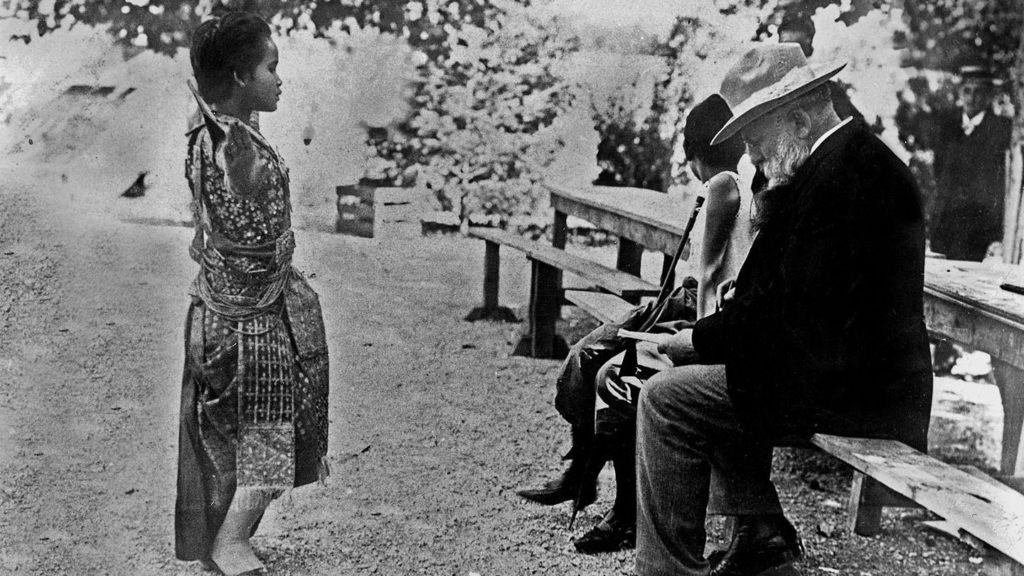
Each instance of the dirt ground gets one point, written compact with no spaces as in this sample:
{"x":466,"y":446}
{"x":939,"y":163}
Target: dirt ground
{"x":445,"y":425}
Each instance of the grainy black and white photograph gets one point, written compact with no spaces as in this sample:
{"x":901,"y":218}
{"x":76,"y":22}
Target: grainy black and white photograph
{"x":512,"y":287}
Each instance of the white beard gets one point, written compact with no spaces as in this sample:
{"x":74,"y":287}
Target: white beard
{"x":790,"y":153}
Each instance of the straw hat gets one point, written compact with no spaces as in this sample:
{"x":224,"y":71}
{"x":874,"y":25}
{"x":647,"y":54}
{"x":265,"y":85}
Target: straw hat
{"x":766,"y":77}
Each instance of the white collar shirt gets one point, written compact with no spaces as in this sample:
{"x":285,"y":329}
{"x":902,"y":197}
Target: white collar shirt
{"x":821,"y":139}
{"x":969,"y":124}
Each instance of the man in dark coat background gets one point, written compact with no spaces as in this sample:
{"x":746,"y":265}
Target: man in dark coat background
{"x":825,"y":332}
{"x":970,"y":172}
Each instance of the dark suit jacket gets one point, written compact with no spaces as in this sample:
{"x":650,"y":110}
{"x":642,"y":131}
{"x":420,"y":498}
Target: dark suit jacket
{"x":967,"y":214}
{"x":826,"y":331}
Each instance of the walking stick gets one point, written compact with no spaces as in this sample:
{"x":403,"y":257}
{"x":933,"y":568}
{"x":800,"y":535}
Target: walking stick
{"x":666,"y":286}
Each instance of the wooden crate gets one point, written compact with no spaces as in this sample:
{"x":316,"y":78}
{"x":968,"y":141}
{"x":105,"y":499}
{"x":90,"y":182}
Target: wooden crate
{"x":371,"y":212}
{"x":355,"y":210}
{"x":397,"y":212}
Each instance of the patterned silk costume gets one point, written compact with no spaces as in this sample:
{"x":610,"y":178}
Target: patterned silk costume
{"x":255,"y":384}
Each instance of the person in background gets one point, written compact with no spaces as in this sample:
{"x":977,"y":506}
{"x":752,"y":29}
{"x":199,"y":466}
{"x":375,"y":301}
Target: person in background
{"x":824,"y":333}
{"x":970,"y":170}
{"x":253,"y":420}
{"x":724,"y":230}
{"x":719,"y":243}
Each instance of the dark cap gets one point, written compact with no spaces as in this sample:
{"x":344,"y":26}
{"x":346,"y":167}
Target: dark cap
{"x":976,"y":72}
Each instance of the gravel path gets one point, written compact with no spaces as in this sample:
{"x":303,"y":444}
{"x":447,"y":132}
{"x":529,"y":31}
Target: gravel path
{"x":442,"y":423}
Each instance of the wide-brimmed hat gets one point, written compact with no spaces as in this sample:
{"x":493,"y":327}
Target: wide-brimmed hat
{"x":766,"y":77}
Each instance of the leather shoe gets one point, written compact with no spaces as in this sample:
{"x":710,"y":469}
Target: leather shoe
{"x":611,"y":534}
{"x":760,"y":544}
{"x":561,"y":490}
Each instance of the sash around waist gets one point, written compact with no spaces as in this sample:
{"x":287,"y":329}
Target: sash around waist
{"x":300,"y":303}
{"x":269,"y":282}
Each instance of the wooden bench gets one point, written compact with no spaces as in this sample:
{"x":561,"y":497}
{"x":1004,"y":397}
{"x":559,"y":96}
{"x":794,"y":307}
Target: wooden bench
{"x":962,"y":301}
{"x":970,"y":502}
{"x":607,"y":308}
{"x":549,"y":261}
{"x":975,"y":507}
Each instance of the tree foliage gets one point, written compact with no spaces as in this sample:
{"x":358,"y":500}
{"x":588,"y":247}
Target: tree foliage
{"x":939,"y":35}
{"x":946,"y":34}
{"x":481,"y":130}
{"x":631,"y":151}
{"x":165,"y":25}
{"x":641,"y":143}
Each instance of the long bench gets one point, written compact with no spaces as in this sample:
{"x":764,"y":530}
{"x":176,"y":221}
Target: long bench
{"x":972,"y":503}
{"x":547,"y":295}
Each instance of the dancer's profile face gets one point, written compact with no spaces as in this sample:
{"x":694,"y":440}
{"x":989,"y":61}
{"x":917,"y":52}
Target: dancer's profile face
{"x":261,"y":88}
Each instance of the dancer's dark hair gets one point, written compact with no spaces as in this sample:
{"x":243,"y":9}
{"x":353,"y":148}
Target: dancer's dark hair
{"x":226,"y":46}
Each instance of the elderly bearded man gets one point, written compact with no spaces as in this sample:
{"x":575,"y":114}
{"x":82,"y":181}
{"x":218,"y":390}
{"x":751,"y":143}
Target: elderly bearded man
{"x":824,"y":333}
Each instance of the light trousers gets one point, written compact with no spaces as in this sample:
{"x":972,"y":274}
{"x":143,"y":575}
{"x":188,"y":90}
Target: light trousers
{"x":693,"y":458}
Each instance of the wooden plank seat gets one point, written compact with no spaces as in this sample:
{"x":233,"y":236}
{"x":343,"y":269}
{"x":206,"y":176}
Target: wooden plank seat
{"x":603,"y":306}
{"x":976,"y":504}
{"x":546,"y":291}
{"x":615,"y":281}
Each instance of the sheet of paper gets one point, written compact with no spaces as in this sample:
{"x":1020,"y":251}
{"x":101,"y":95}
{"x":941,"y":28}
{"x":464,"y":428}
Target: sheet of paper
{"x":644,"y":336}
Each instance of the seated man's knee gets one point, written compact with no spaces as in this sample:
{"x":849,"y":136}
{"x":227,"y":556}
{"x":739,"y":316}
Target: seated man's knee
{"x":657,"y":391}
{"x":673,"y":390}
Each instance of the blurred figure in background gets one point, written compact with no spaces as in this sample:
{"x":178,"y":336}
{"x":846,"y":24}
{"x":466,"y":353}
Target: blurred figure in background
{"x":970,"y":170}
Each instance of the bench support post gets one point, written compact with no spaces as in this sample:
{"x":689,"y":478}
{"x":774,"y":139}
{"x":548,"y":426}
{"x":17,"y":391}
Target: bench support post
{"x":864,"y":516}
{"x":541,"y":341}
{"x":867,"y":498}
{"x":490,"y":309}
{"x":491,"y":274}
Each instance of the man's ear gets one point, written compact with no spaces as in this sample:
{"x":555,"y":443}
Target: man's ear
{"x":801,"y":123}
{"x":238,"y":79}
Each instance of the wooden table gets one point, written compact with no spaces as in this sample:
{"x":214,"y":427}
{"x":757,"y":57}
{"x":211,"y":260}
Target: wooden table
{"x":962,"y":300}
{"x":964,"y":303}
{"x":640,"y":218}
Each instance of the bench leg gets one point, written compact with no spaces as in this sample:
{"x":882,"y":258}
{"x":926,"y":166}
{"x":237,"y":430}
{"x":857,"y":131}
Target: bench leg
{"x":541,"y":341}
{"x":490,"y":310}
{"x":867,"y":498}
{"x":865,"y":517}
{"x":492,"y":279}
{"x":1010,"y":381}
